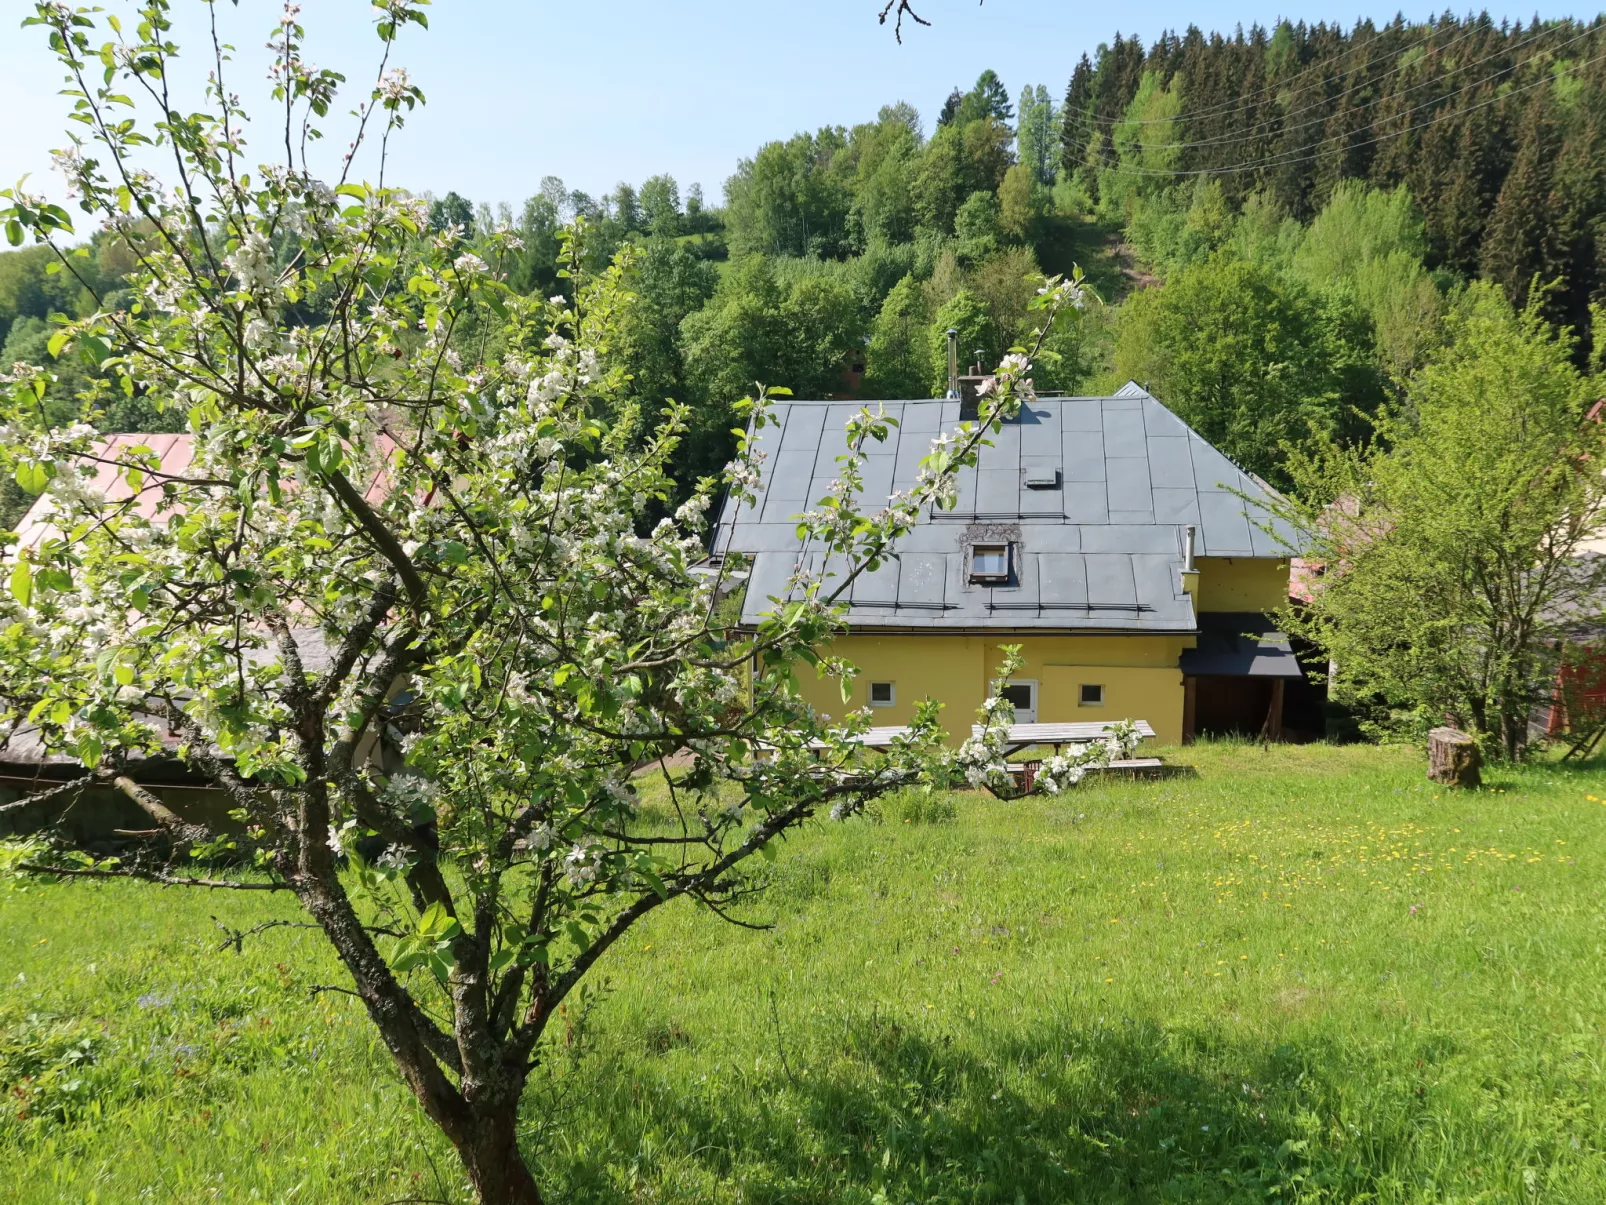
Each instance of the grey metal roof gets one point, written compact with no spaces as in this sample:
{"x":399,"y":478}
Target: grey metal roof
{"x":1099,"y":550}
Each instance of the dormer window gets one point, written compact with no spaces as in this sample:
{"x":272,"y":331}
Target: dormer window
{"x":989,"y":563}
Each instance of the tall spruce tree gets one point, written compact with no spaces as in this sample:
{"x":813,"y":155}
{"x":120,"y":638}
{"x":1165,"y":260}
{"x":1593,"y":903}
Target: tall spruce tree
{"x":1075,"y":124}
{"x":1519,"y":243}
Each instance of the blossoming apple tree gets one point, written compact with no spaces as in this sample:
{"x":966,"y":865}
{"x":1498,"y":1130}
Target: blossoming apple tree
{"x":409,"y":597}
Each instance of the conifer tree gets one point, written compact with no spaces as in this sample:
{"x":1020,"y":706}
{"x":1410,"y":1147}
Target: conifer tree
{"x":1519,"y":244}
{"x":1075,"y":131}
{"x":989,"y":98}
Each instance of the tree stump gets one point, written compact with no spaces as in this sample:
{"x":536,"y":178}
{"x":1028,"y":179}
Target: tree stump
{"x":1453,"y":758}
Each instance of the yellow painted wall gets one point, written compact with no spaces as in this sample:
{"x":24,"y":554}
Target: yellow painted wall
{"x":1139,"y":674}
{"x":1241,"y":583}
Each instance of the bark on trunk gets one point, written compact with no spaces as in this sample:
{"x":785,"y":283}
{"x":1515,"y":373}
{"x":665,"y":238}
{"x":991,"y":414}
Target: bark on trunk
{"x":489,"y":1149}
{"x":1453,"y":758}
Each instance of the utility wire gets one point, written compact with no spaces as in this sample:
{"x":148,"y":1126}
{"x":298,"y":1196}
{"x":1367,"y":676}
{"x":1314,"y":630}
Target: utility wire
{"x":1285,"y":158}
{"x":1271,"y":89}
{"x":1275,"y":124}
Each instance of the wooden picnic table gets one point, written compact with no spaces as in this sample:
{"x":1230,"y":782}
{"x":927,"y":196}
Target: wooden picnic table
{"x":1024,"y":736}
{"x":1018,"y":736}
{"x":871,"y":738}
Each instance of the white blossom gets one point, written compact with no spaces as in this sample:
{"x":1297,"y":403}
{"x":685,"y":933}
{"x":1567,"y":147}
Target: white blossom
{"x":582,"y":865}
{"x":393,"y":85}
{"x":252,"y":263}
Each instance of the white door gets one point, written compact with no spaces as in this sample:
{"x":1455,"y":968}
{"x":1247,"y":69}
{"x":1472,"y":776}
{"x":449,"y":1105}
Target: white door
{"x":1022,"y":692}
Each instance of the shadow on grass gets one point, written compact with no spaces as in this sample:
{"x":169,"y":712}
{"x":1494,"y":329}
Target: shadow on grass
{"x":1120,"y":1111}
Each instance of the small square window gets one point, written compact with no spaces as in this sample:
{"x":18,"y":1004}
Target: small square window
{"x":1092,"y":695}
{"x":883,"y":694}
{"x":989,"y":562}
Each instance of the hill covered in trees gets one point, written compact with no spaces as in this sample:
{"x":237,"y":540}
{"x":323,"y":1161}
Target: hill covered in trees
{"x":1283,"y":225}
{"x":1496,"y":131}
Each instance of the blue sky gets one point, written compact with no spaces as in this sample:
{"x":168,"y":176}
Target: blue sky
{"x":612,"y":90}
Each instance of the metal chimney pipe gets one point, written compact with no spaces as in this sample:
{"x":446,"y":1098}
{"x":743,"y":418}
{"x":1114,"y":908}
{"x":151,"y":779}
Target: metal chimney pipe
{"x":1187,"y":548}
{"x":953,"y":365}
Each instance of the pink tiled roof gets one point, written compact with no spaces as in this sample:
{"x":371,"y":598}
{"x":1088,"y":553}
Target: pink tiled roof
{"x":175,"y":452}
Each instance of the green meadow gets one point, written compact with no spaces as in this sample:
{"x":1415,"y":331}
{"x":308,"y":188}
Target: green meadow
{"x":1299,"y":974}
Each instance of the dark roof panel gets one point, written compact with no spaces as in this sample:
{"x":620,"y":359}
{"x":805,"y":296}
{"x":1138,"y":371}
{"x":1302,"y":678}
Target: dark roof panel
{"x":1240,"y":645}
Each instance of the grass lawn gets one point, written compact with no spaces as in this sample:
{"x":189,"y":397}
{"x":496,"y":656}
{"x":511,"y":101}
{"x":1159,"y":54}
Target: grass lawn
{"x":1303,"y":975}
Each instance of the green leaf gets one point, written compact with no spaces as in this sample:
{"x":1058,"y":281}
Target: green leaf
{"x":56,"y":343}
{"x":33,"y":476}
{"x":14,"y":232}
{"x":93,"y":351}
{"x":124,"y":674}
{"x":22,"y":583}
{"x":437,"y":924}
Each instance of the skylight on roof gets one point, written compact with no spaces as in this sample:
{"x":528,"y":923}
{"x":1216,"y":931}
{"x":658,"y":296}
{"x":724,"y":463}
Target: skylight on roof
{"x":989,"y":562}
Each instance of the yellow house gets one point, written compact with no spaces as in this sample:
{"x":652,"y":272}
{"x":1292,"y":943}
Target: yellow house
{"x":1101,"y":534}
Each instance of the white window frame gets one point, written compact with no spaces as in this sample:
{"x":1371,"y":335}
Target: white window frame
{"x":1081,"y":694}
{"x":892,"y":694}
{"x":978,"y":577}
{"x":1027,"y":715}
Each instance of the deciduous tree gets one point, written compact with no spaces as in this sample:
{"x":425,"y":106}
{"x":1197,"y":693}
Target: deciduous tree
{"x":1450,"y":548}
{"x":381,"y":537}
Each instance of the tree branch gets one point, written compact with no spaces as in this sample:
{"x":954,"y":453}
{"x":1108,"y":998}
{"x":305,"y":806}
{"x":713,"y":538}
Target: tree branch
{"x":381,"y":535}
{"x":172,"y":823}
{"x":236,"y":937}
{"x":903,"y":9}
{"x":65,"y":788}
{"x":346,"y":657}
{"x":153,"y":876}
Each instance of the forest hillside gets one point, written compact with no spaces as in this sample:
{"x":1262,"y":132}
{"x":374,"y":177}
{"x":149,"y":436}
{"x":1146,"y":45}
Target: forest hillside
{"x":1282,"y":225}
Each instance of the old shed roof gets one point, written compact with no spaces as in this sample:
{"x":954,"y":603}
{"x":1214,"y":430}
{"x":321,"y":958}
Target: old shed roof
{"x":1093,"y":493}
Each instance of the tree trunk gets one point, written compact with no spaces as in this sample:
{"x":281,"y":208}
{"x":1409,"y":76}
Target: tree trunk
{"x":490,"y":1152}
{"x":1453,"y":758}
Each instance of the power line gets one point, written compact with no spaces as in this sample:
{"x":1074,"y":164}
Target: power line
{"x":1275,"y":124}
{"x":1283,"y":158}
{"x":1270,"y":89}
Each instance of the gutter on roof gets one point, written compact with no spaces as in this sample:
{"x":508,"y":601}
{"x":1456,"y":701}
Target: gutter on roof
{"x":878,"y":629}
